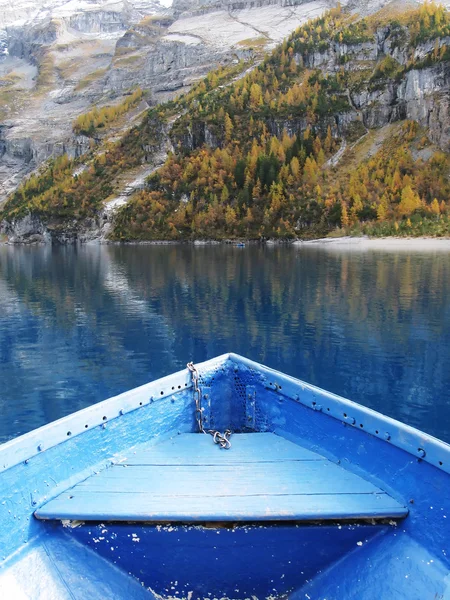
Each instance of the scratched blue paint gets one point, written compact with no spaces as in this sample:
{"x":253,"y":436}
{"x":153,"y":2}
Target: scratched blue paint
{"x":240,"y":562}
{"x":57,"y":567}
{"x":189,"y":479}
{"x":409,"y":557}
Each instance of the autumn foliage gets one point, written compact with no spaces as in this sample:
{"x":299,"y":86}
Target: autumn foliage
{"x":97,"y":118}
{"x":253,"y":149}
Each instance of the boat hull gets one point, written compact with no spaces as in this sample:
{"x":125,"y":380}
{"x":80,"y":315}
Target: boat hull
{"x":403,"y":559}
{"x":238,"y":561}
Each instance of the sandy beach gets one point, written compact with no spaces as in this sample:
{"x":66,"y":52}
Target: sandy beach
{"x":390,"y":243}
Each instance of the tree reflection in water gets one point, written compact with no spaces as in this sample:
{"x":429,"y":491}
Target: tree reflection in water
{"x":79,"y":324}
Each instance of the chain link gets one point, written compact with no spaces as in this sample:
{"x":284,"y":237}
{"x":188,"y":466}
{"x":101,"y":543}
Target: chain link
{"x":222,"y":439}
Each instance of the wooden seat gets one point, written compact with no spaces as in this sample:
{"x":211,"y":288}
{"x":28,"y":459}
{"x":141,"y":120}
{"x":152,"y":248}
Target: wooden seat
{"x":263,"y":477}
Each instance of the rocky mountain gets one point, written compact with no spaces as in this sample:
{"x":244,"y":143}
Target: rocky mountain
{"x":55,"y":58}
{"x":329,"y":97}
{"x":60,"y":57}
{"x":346,"y":125}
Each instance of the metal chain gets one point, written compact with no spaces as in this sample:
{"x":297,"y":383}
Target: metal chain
{"x":197,"y":397}
{"x":222,"y":439}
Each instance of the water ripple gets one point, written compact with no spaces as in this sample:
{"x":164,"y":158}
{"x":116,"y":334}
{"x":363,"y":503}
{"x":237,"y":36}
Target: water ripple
{"x":78,"y":325}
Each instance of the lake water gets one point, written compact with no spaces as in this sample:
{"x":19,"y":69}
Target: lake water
{"x":78,"y":325}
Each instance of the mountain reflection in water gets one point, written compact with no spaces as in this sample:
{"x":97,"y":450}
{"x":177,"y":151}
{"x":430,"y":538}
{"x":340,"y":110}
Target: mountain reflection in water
{"x":80,"y":324}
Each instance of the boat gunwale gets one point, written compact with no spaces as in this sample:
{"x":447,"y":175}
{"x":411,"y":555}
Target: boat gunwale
{"x":418,"y":444}
{"x":33,"y":443}
{"x":422,"y":446}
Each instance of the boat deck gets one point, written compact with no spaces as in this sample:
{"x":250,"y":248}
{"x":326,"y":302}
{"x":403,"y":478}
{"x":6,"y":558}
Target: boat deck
{"x":263,"y":477}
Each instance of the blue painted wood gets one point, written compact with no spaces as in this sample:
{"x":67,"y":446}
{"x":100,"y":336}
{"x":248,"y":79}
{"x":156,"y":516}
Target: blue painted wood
{"x":225,"y":485}
{"x":259,"y":479}
{"x":116,"y":506}
{"x":28,"y":485}
{"x":409,"y":466}
{"x":388,"y":567}
{"x":185,"y":561}
{"x":424,"y":488}
{"x":66,"y":429}
{"x":60,"y":568}
{"x":187,"y":449}
{"x":417,"y":443}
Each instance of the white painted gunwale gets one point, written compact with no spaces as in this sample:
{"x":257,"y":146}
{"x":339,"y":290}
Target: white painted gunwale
{"x":420,"y":445}
{"x":34,"y":442}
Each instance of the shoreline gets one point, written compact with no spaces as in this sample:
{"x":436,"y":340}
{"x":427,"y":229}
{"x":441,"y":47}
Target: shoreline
{"x":338,"y":243}
{"x":382,"y":243}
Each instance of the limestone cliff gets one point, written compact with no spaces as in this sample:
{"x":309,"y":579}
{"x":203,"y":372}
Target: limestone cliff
{"x":379,"y":78}
{"x":420,"y":93}
{"x":60,"y":57}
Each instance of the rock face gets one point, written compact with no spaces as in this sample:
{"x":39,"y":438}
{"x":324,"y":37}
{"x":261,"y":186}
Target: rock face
{"x":59,"y":57}
{"x":192,"y":7}
{"x":420,"y":94}
{"x":29,"y":230}
{"x":168,"y":66}
{"x":32,"y":230}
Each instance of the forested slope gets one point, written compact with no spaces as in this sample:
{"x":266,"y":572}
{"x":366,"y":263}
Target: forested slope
{"x":345,"y":126}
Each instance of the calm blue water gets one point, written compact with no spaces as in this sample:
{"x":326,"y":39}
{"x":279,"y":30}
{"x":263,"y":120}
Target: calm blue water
{"x":78,"y":325}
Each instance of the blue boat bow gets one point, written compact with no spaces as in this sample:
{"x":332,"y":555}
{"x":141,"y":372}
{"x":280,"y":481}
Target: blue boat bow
{"x":317,"y":498}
